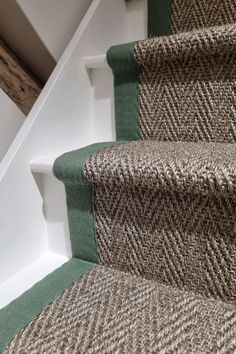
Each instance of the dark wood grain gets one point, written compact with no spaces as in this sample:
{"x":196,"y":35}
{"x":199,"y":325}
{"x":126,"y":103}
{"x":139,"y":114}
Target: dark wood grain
{"x":18,"y":83}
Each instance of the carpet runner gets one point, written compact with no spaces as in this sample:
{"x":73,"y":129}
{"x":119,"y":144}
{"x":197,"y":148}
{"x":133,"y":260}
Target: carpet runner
{"x":182,"y":87}
{"x":174,"y":16}
{"x":108,"y":311}
{"x":152,"y":215}
{"x":166,"y":211}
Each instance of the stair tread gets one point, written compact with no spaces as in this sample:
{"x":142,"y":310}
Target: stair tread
{"x":95,"y":61}
{"x":107,"y":311}
{"x":202,"y":168}
{"x":43,"y":164}
{"x":185,"y":15}
{"x":198,"y":43}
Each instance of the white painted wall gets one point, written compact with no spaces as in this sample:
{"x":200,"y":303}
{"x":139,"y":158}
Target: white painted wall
{"x":19,"y":35}
{"x":55,"y":21}
{"x":11,"y":119}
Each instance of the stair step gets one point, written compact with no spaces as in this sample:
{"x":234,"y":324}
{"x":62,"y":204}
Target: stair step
{"x":168,"y":316}
{"x":197,"y":44}
{"x":177,"y":88}
{"x":196,"y":168}
{"x":164,"y":210}
{"x":185,"y":16}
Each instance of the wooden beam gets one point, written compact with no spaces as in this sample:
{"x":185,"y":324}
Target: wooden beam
{"x":18,"y":83}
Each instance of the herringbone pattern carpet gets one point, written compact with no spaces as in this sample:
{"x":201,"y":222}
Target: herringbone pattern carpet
{"x":187,"y":86}
{"x":112,"y":312}
{"x":205,"y":169}
{"x":165,"y":208}
{"x":195,"y":14}
{"x":144,"y":226}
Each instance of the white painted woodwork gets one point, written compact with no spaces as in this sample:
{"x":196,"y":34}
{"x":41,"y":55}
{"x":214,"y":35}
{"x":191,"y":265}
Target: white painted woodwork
{"x":75,"y":109}
{"x":43,"y":165}
{"x":25,"y":279}
{"x":96,"y":61}
{"x":11,"y":119}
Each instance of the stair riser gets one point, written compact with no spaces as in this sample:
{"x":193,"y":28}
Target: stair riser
{"x":188,"y":101}
{"x":182,"y":87}
{"x":186,"y":241}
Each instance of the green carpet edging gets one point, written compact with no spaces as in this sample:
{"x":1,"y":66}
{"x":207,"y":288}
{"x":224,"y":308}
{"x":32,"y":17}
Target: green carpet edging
{"x":20,"y":312}
{"x":69,"y":168}
{"x":82,"y":222}
{"x":125,"y":71}
{"x":159,"y":17}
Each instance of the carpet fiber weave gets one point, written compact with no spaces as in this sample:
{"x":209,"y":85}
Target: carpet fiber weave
{"x":205,"y":169}
{"x":159,"y":214}
{"x":112,"y":312}
{"x":187,"y":85}
{"x":195,"y":14}
{"x":165,"y":211}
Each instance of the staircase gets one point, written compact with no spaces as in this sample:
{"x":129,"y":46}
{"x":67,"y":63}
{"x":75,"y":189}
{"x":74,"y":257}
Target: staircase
{"x":151,"y":215}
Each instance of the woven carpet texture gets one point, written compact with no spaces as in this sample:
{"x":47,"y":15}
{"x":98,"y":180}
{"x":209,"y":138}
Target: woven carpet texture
{"x":187,"y":86}
{"x":195,"y":14}
{"x":157,"y":214}
{"x":108,"y":311}
{"x":166,"y":211}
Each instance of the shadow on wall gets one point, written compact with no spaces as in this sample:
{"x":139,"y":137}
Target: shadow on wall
{"x":11,"y":119}
{"x":19,"y":34}
{"x":53,"y":194}
{"x":39,"y":31}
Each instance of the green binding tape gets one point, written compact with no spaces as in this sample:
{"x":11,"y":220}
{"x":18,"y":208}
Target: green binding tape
{"x":125,"y":71}
{"x":159,"y":17}
{"x":69,"y":168}
{"x":20,"y":312}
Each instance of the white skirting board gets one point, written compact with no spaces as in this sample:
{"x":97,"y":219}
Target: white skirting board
{"x":22,"y":281}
